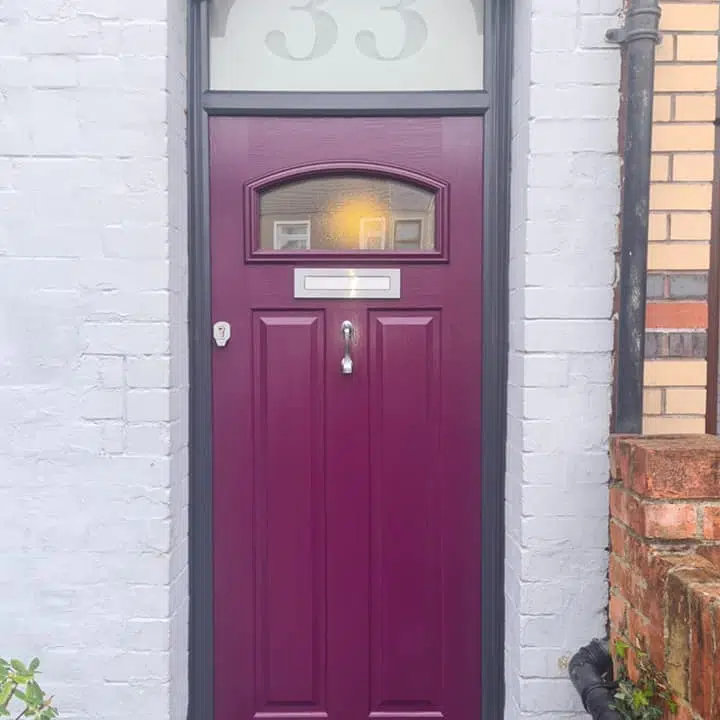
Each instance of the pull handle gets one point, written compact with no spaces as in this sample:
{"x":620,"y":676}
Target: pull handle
{"x":347,"y":333}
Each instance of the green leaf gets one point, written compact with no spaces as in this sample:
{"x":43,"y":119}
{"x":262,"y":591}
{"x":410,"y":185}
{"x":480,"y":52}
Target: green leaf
{"x":34,"y":693}
{"x":19,"y":667}
{"x":34,"y":664}
{"x":621,"y":649}
{"x":640,"y":699}
{"x":20,"y":695}
{"x":6,"y":692}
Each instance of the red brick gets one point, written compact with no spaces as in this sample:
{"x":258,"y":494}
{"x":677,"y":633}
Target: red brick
{"x":702,"y":655}
{"x":678,"y":636}
{"x":656,"y":645}
{"x":669,"y":521}
{"x":634,"y":514}
{"x":715,"y":621}
{"x":637,"y":553}
{"x":618,"y":613}
{"x":620,"y":456}
{"x":618,"y":503}
{"x":665,"y":596}
{"x":618,"y":576}
{"x":711,"y":522}
{"x":669,"y":467}
{"x":654,"y":520}
{"x":683,"y":712}
{"x":711,"y":553}
{"x":638,"y":633}
{"x":618,"y":534}
{"x":652,"y":605}
{"x":694,"y":570}
{"x":657,"y":569}
{"x":670,"y":315}
{"x":637,"y":591}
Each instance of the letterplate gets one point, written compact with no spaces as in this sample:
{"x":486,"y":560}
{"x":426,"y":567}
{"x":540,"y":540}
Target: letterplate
{"x":334,"y":283}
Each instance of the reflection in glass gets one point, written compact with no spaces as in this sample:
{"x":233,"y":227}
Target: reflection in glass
{"x":350,"y":213}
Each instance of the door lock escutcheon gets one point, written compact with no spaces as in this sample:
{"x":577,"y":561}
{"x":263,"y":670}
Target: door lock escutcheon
{"x":221,"y":333}
{"x":347,"y":333}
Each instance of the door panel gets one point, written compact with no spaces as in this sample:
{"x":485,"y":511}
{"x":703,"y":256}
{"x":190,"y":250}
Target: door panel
{"x":347,"y":507}
{"x":290,"y":539}
{"x":406,"y":538}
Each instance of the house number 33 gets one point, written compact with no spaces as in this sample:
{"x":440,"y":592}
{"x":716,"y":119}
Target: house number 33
{"x":325,"y":29}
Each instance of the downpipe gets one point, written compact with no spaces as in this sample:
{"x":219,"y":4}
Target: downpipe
{"x":638,"y":39}
{"x":590,"y":670}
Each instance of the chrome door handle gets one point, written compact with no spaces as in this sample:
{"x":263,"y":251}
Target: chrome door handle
{"x":347,"y":333}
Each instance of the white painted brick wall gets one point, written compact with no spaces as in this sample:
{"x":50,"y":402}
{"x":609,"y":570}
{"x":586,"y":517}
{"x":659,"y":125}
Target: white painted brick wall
{"x":565,"y":201}
{"x":93,"y":376}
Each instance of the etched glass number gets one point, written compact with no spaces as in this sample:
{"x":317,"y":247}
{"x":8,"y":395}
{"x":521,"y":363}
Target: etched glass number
{"x":346,"y":45}
{"x":416,"y":34}
{"x":325,"y":34}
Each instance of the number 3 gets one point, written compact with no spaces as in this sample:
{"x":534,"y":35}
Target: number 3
{"x":416,"y":34}
{"x":326,"y":34}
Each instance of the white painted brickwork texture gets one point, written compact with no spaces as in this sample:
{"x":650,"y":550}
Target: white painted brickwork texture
{"x":565,"y":200}
{"x":93,"y":377}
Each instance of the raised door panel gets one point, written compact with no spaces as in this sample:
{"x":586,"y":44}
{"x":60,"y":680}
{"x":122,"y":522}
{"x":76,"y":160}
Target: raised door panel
{"x":289,"y":518}
{"x":406,"y":573}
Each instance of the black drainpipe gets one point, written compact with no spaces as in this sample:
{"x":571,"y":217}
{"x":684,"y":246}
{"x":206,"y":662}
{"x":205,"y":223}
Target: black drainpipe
{"x":590,"y":668}
{"x":591,"y":673}
{"x":638,"y":38}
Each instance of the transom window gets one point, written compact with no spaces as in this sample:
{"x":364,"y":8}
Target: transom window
{"x":348,"y":213}
{"x":346,"y":45}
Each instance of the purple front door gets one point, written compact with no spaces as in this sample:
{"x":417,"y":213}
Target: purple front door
{"x":347,"y":504}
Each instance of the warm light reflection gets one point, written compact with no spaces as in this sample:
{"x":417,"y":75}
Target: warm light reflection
{"x":345,"y":216}
{"x":347,"y":213}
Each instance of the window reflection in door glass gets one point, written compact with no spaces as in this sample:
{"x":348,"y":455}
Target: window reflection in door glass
{"x":347,"y":213}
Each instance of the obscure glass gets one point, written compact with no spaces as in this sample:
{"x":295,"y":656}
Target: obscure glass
{"x":346,"y":45}
{"x":351,"y":213}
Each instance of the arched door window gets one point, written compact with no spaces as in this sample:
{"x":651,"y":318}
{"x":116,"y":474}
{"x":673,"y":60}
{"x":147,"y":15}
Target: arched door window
{"x":345,"y":208}
{"x":347,"y":213}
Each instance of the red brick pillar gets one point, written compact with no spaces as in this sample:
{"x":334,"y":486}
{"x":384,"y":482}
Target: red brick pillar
{"x":665,"y":541}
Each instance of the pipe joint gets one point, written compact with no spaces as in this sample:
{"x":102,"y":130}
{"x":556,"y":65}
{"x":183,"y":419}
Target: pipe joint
{"x":590,"y":670}
{"x":641,"y":23}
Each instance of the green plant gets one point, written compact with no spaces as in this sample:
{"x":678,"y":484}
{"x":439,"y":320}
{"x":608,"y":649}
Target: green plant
{"x":20,"y":694}
{"x":647,"y":699}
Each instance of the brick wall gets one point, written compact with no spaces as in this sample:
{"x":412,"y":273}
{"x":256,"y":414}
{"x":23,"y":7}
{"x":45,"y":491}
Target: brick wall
{"x":680,"y":203}
{"x":665,"y":562}
{"x":565,"y":202}
{"x":93,"y":420}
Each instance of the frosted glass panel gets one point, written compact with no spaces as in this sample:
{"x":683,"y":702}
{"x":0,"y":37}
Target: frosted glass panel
{"x":346,"y":45}
{"x":347,"y":213}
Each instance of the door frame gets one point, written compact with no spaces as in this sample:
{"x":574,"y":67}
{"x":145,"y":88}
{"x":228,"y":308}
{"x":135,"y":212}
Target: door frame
{"x":495,"y":104}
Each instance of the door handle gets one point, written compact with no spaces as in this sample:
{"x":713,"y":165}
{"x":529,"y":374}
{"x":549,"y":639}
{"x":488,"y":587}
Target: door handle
{"x":347,"y":333}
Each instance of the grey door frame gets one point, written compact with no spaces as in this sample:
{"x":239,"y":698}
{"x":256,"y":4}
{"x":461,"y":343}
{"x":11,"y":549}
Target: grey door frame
{"x":495,"y":104}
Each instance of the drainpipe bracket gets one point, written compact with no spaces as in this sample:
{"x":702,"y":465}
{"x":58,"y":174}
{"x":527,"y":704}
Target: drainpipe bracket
{"x":623,"y":36}
{"x":617,"y":36}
